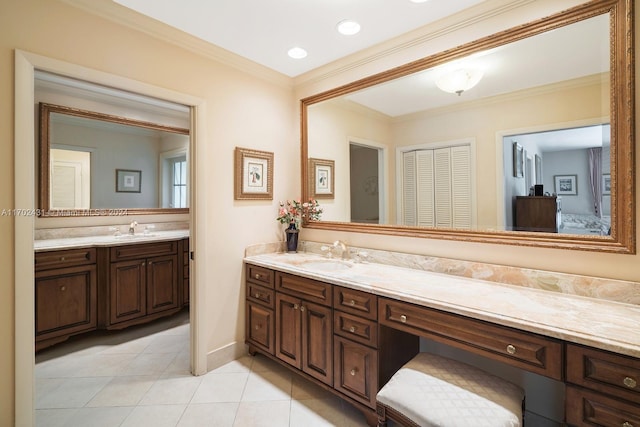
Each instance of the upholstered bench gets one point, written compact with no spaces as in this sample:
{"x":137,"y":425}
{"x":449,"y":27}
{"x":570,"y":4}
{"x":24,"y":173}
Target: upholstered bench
{"x":431,"y":390}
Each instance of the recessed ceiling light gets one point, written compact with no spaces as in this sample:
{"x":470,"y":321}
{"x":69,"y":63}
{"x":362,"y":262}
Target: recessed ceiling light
{"x":348,"y":27}
{"x":297,"y":53}
{"x":418,"y":1}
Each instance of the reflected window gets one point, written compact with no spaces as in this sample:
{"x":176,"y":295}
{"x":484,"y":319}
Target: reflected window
{"x":179,"y":193}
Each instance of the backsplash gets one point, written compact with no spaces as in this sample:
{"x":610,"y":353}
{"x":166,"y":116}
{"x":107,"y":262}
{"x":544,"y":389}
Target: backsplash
{"x":571,"y":284}
{"x":103,"y":230}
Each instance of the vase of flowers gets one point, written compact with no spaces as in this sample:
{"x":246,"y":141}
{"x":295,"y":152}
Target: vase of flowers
{"x":292,"y":213}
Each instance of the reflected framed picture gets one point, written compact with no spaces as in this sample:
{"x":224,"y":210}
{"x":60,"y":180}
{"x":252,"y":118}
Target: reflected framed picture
{"x":606,"y":184}
{"x":253,"y":174}
{"x":128,"y":181}
{"x":518,"y":160}
{"x":321,"y":174}
{"x":566,"y":185}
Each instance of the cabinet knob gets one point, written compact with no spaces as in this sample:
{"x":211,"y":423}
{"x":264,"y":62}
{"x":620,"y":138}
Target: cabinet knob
{"x":62,"y":258}
{"x":353,"y":372}
{"x":352,"y":329}
{"x":630,"y":382}
{"x":295,"y":306}
{"x":302,"y":308}
{"x":63,"y":288}
{"x":258,"y":327}
{"x":511,"y":349}
{"x":352,"y":303}
{"x":627,"y":424}
{"x":403,"y":318}
{"x":257,"y":294}
{"x":143,"y":263}
{"x":257,"y":276}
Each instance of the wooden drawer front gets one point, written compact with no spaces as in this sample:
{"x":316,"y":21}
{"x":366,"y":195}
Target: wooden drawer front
{"x":528,"y":351}
{"x":355,"y":373}
{"x":356,"y":328}
{"x":66,"y":258}
{"x":260,"y":327}
{"x":308,"y":289}
{"x":143,"y":251}
{"x":356,"y":302}
{"x":260,"y":294}
{"x":604,"y":372}
{"x":260,"y":275}
{"x":587,"y":408}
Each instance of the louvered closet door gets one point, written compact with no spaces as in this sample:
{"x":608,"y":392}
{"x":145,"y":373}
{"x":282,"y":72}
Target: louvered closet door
{"x":442,"y":169}
{"x":461,"y":186}
{"x":425,"y":188}
{"x":409,"y":188}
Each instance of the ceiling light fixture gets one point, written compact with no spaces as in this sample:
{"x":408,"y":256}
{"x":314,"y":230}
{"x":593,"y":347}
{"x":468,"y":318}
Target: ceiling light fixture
{"x":418,"y":1}
{"x":348,"y":27}
{"x":297,"y":53}
{"x":459,"y":80}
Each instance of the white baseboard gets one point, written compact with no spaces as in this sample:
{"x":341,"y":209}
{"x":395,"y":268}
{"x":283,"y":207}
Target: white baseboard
{"x":226,"y":354}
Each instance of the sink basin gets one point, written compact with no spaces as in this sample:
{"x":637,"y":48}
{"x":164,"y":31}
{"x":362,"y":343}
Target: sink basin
{"x":133,"y":236}
{"x":328,"y":265}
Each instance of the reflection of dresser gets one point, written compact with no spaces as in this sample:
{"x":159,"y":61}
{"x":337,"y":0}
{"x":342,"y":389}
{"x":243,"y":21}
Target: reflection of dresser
{"x":538,"y":213}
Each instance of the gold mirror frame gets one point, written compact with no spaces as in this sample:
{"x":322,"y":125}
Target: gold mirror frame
{"x":623,"y":231}
{"x":44,"y":192}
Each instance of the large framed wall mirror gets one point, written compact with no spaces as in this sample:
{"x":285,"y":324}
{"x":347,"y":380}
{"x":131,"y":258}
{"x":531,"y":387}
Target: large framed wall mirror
{"x":96,"y":164}
{"x":435,"y":138}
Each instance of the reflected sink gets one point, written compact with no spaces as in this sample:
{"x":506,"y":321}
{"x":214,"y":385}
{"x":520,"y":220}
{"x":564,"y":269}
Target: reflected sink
{"x":329,"y":265}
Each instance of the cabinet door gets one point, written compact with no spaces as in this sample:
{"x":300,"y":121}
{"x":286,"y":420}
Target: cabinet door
{"x":288,"y":322}
{"x":65,"y":301}
{"x":128,"y":290}
{"x":317,"y":341}
{"x":259,"y":326}
{"x":356,"y":368}
{"x":162,"y":283}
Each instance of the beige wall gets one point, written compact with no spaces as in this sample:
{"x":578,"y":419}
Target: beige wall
{"x":241,"y":110}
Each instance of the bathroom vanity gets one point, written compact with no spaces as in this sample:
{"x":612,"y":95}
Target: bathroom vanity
{"x":103,"y":282}
{"x":349,"y":326}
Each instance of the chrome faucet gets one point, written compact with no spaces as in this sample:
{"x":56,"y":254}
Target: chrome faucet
{"x":343,"y":248}
{"x":132,"y":227}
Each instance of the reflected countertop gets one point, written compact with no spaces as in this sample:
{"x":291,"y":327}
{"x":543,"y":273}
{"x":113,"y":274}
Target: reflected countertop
{"x":598,"y":323}
{"x":107,"y":240}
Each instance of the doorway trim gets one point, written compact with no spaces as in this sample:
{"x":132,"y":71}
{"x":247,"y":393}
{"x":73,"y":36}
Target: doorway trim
{"x":24,"y":188}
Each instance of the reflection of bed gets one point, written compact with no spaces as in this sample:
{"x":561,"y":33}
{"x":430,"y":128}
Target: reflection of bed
{"x":584,"y":224}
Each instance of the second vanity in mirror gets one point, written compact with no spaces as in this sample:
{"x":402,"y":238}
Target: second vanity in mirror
{"x":553,"y":111}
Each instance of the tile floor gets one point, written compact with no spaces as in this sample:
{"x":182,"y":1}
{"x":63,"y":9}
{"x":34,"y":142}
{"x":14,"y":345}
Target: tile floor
{"x":140,"y":377}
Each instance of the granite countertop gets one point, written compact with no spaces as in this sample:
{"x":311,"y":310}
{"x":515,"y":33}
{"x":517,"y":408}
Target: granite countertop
{"x":598,"y":323}
{"x":107,"y":240}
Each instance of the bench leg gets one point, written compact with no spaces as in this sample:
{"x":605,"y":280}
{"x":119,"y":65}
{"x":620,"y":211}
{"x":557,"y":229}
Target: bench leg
{"x":382,"y":415}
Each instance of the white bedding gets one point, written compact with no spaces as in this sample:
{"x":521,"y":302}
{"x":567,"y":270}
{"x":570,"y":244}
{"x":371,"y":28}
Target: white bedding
{"x":584,"y":224}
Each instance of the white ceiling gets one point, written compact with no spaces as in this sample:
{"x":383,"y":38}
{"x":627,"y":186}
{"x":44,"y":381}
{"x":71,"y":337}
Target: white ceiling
{"x":264,"y":30}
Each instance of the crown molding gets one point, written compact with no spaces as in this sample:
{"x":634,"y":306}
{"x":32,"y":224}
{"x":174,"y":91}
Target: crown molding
{"x":114,"y":12}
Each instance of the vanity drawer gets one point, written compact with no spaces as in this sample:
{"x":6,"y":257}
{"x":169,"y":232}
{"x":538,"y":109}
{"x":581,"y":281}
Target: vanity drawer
{"x":604,"y":372}
{"x":63,"y":259}
{"x":260,"y":275}
{"x":356,"y":328}
{"x":355,"y":371}
{"x":588,"y":408}
{"x":146,"y":250}
{"x":304,"y":288}
{"x":260,"y":294}
{"x":356,"y":302}
{"x":524,"y":350}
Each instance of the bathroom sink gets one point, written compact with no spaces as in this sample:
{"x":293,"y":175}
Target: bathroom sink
{"x":329,"y":265}
{"x":133,"y":236}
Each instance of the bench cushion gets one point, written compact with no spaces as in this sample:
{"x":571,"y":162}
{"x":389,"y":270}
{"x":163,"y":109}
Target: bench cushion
{"x":432,"y":390}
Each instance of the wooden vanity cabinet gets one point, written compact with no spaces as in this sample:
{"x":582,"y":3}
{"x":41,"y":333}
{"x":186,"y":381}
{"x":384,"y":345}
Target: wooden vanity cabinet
{"x":65,"y":295}
{"x":603,"y":388}
{"x":183,"y":255}
{"x":304,"y":334}
{"x":142,"y":283}
{"x":260,"y":303}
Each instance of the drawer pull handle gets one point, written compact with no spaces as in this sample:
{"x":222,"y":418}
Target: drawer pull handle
{"x":629,"y":382}
{"x":511,"y":349}
{"x":258,"y":327}
{"x":295,"y":306}
{"x":355,"y":371}
{"x":352,"y":329}
{"x":352,"y":303}
{"x":627,"y":424}
{"x":258,"y":295}
{"x":302,"y":308}
{"x":62,"y":258}
{"x":63,"y":288}
{"x":403,"y":318}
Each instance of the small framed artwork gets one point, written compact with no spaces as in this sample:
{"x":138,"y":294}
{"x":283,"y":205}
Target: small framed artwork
{"x":321,"y":173}
{"x":128,"y":181}
{"x":518,"y":160}
{"x":566,"y":185}
{"x":253,"y":174}
{"x":606,"y":184}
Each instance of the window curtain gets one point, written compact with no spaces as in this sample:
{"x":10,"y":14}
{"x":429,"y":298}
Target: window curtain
{"x":595,"y":178}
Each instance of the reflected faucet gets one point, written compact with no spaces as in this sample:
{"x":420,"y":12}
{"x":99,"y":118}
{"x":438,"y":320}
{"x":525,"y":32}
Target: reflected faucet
{"x":132,"y":227}
{"x":343,"y":248}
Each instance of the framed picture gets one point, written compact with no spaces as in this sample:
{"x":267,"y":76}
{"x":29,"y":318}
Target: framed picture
{"x":606,"y":184}
{"x":128,"y":181}
{"x":321,"y":174}
{"x":518,"y":160}
{"x":253,"y":175}
{"x":566,"y":185}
